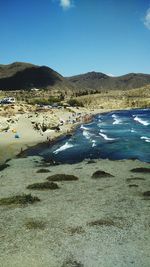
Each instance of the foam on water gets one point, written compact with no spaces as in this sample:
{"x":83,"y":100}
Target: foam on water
{"x":145,"y":123}
{"x":102,"y":131}
{"x":93,"y":143}
{"x":116,"y":119}
{"x":106,"y":137}
{"x":147,"y":139}
{"x":86,"y":134}
{"x":62,"y":148}
{"x":84,"y":128}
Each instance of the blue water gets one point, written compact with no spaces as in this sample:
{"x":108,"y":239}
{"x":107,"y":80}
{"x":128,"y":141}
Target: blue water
{"x":114,"y":135}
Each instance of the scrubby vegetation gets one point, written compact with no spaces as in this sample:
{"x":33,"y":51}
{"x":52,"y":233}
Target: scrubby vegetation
{"x":33,"y":224}
{"x":45,"y":101}
{"x":43,"y":186}
{"x":141,"y":170}
{"x":146,"y":194}
{"x":133,"y":185}
{"x":135,"y":179}
{"x":18,"y":200}
{"x":43,"y":171}
{"x":62,"y":177}
{"x":105,"y":222}
{"x":72,"y":263}
{"x":89,"y":98}
{"x":75,"y":103}
{"x":101,"y":174}
{"x":3,"y":166}
{"x":75,"y":230}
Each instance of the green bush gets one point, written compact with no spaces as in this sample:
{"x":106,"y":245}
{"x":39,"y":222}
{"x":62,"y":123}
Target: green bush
{"x":75,"y":103}
{"x":45,"y":101}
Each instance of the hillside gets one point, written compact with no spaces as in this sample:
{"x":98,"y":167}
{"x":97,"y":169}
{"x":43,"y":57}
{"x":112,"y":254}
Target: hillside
{"x":99,"y":81}
{"x":25,"y":76}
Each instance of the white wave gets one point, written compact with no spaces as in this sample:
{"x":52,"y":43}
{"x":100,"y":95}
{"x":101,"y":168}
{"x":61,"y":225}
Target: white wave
{"x":99,"y":116}
{"x":106,"y":137}
{"x":147,"y":139}
{"x":86,"y":134}
{"x":145,"y":123}
{"x":62,"y":148}
{"x":116,"y":119}
{"x":93,"y":143}
{"x":132,"y":131}
{"x":114,"y":116}
{"x":103,"y":131}
{"x":84,"y":128}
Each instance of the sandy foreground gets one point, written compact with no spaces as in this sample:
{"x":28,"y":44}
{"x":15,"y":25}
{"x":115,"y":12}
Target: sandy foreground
{"x":89,"y":222}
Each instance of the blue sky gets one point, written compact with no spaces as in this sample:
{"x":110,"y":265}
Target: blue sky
{"x":72,"y":37}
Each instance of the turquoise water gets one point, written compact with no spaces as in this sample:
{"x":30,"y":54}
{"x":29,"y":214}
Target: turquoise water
{"x":114,"y":135}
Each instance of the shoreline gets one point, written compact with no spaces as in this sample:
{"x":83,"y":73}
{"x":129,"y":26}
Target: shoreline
{"x":64,"y":137}
{"x":29,"y":137}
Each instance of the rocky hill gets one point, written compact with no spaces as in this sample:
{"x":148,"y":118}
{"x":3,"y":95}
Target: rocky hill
{"x":99,"y":81}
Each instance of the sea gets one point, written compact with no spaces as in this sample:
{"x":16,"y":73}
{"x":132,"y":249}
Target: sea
{"x":113,"y":135}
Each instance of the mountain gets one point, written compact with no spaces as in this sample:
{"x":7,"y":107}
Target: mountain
{"x":18,"y":76}
{"x":25,"y":76}
{"x":99,"y":81}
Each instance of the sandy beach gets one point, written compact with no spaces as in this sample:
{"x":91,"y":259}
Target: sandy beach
{"x":19,"y":131}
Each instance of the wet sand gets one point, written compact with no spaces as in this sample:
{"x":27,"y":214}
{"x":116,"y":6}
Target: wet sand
{"x":101,"y":222}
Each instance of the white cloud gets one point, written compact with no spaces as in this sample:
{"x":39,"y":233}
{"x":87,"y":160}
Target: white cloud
{"x":65,"y":4}
{"x":147,"y":19}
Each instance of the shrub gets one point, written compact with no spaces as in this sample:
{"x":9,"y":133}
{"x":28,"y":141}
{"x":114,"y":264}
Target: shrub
{"x":43,"y":186}
{"x":62,"y":177}
{"x":45,"y":101}
{"x":35,"y":224}
{"x":18,"y":200}
{"x":75,"y":103}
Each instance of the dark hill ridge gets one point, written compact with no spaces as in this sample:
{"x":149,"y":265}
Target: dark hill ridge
{"x":11,"y":69}
{"x":100,"y":81}
{"x":26,"y":76}
{"x":18,"y":75}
